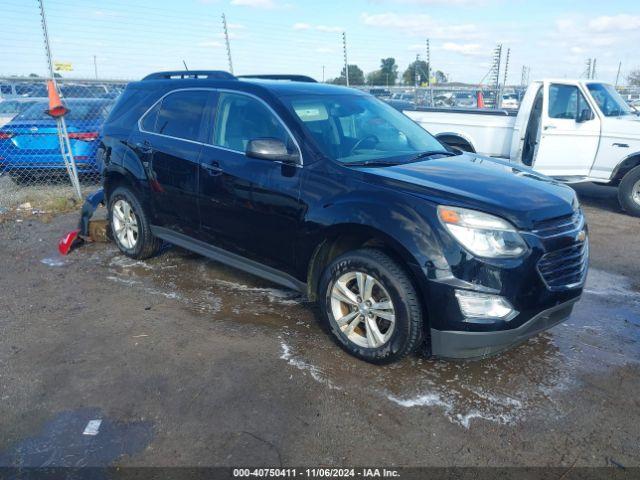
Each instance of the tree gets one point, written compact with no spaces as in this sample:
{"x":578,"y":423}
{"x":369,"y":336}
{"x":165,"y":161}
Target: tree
{"x":387,"y":75}
{"x":440,"y":77}
{"x":34,"y":75}
{"x":634,"y":77}
{"x":356,"y":76}
{"x":409,"y":76}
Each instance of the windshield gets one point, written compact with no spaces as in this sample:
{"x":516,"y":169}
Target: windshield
{"x":609,"y":101}
{"x":357,"y":128}
{"x":85,"y":111}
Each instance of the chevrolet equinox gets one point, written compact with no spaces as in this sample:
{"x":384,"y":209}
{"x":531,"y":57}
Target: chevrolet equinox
{"x":401,"y":240}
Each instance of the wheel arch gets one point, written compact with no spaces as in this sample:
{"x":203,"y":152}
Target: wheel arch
{"x":341,"y":238}
{"x":625,"y":166}
{"x":457,"y":139}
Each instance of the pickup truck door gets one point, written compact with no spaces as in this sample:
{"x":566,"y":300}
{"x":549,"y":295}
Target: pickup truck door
{"x":570,"y":132}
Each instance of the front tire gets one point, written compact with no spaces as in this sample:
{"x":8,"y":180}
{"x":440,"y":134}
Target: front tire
{"x":629,"y":192}
{"x":130,"y":226}
{"x":371,"y":306}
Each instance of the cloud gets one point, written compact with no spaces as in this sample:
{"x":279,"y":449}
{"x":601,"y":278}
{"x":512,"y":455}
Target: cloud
{"x":320,"y":28}
{"x":421,"y":24}
{"x":614,"y":23}
{"x":468,"y":49}
{"x":254,"y":3}
{"x":324,"y":50}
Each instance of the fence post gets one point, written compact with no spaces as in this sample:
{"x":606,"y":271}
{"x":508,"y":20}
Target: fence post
{"x":63,"y":135}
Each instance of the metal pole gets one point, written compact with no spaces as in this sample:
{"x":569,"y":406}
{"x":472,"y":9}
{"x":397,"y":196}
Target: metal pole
{"x":593,"y":69}
{"x":95,"y":66}
{"x":226,"y":41}
{"x":506,"y":68}
{"x":322,"y":73}
{"x":618,"y":74}
{"x":63,"y":136}
{"x":346,"y":62}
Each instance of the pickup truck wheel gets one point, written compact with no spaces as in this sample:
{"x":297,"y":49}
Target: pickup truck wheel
{"x":130,"y":226}
{"x":629,"y":192}
{"x":371,"y":306}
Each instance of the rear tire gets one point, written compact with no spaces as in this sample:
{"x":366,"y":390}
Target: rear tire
{"x":130,"y":225}
{"x":629,"y":192}
{"x":371,"y":306}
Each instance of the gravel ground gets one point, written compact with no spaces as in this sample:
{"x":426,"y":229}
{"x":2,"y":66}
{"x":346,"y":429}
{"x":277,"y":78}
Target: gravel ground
{"x":190,"y":363}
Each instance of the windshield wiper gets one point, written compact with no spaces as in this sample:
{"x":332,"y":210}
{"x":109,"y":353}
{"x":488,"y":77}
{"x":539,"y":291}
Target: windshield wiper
{"x":373,"y":163}
{"x":431,"y":153}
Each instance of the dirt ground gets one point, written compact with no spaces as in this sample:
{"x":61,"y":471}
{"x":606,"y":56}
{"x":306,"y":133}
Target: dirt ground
{"x":190,"y":363}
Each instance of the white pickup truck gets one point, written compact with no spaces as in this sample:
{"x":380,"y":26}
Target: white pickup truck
{"x":571,"y":130}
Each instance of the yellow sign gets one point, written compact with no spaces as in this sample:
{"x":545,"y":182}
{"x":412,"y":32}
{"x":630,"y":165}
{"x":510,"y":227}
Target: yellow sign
{"x":62,"y":67}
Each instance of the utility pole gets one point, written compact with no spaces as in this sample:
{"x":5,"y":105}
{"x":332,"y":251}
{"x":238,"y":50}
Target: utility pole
{"x":346,"y":62}
{"x":63,"y":135}
{"x":95,"y":66}
{"x":226,"y":41}
{"x":322,"y":73}
{"x":416,"y":76}
{"x":428,"y":64}
{"x":618,"y":74}
{"x":588,"y":69}
{"x":495,"y":73}
{"x":524,"y":76}
{"x":506,"y":68}
{"x":593,"y":69}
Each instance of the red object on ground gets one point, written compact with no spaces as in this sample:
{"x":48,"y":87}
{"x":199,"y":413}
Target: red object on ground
{"x":480,"y":98}
{"x":66,"y":242}
{"x":56,"y":109}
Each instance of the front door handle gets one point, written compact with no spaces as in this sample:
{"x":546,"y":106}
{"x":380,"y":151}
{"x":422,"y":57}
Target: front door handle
{"x":549,"y":127}
{"x":213,"y":168}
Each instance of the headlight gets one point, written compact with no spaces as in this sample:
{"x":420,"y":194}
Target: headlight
{"x":482,"y":234}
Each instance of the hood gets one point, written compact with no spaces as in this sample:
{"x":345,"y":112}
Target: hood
{"x":625,"y":127}
{"x":518,"y":194}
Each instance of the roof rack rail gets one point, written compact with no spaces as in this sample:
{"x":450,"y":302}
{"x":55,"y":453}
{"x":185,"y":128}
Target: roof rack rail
{"x":277,"y":76}
{"x":190,"y":74}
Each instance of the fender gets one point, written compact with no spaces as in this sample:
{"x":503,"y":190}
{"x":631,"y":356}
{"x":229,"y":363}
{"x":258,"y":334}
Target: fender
{"x":370,"y":217}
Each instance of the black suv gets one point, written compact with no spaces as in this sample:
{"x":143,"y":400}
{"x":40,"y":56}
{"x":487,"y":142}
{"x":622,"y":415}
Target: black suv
{"x":331,"y":192}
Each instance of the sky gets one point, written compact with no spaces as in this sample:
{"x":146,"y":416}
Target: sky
{"x":130,"y":38}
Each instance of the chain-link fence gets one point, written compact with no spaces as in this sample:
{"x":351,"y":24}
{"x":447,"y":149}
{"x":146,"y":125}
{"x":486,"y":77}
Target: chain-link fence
{"x":30,"y":152}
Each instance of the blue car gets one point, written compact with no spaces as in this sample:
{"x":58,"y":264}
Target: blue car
{"x":29,"y":144}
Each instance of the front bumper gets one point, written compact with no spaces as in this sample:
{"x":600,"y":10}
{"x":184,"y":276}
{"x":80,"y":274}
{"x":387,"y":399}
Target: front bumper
{"x":476,"y":345}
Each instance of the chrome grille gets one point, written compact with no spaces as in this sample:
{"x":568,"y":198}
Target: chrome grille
{"x":565,"y":268}
{"x":559,"y":226}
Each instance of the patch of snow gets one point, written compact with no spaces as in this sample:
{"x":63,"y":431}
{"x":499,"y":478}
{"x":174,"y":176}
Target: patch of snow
{"x":54,"y":261}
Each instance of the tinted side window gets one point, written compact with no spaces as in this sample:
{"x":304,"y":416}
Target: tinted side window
{"x":565,"y":101}
{"x":242,"y":118}
{"x":148,"y":122}
{"x":181,"y":114}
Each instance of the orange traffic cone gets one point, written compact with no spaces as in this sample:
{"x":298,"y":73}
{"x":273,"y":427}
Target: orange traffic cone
{"x":480,"y":99}
{"x":56,"y":109}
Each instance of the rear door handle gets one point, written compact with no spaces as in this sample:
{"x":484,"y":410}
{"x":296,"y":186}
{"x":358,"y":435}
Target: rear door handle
{"x":212,"y":168}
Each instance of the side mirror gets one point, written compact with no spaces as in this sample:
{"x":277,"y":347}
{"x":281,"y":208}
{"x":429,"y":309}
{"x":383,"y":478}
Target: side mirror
{"x":585,"y":115}
{"x":271,"y":149}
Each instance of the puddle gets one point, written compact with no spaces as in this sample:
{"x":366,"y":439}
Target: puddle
{"x":79,"y":438}
{"x":530,"y":380}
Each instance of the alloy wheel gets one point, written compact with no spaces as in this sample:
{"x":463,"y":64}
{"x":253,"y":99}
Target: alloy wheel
{"x":125,"y":224}
{"x":362,"y":309}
